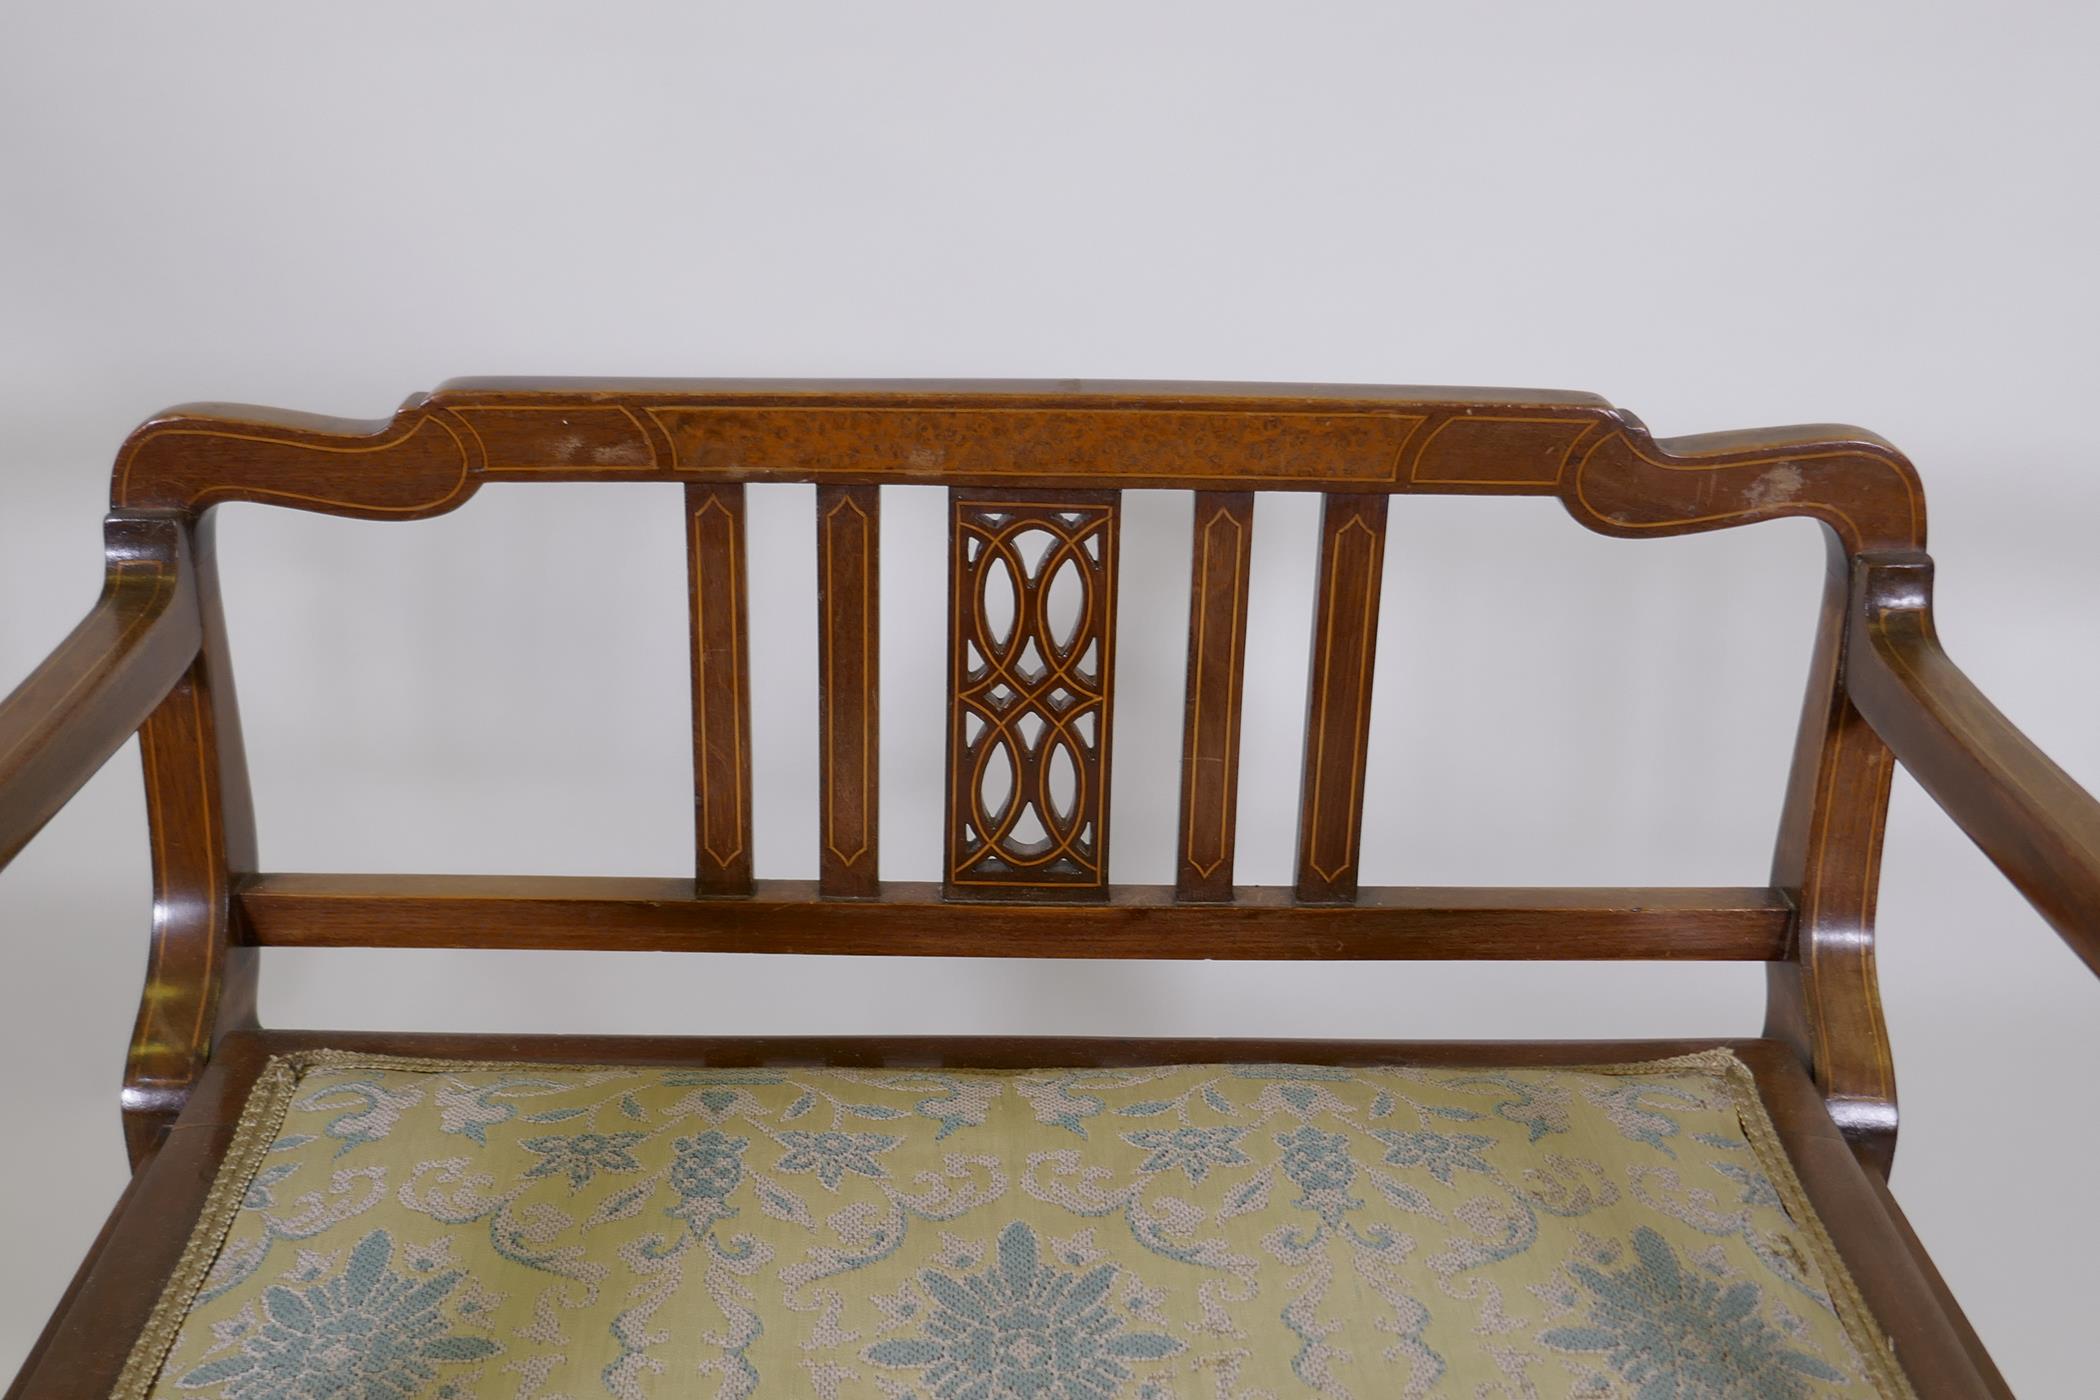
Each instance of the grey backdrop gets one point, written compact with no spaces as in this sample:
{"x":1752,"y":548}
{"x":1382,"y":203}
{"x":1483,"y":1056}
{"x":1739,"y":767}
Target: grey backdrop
{"x":1875,"y":212}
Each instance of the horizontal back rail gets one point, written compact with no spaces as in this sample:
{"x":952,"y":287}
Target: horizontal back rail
{"x":1601,"y":462}
{"x":911,"y":918}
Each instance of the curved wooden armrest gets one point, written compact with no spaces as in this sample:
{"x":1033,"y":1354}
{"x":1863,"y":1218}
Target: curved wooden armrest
{"x":95,"y":690}
{"x":2037,"y":825}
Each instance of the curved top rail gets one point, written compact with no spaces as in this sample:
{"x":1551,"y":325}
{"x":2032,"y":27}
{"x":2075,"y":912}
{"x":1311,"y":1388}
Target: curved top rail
{"x":1601,"y":462}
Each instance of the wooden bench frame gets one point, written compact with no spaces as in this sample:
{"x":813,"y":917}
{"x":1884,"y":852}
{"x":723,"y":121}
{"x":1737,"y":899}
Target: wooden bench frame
{"x":1048,"y":459}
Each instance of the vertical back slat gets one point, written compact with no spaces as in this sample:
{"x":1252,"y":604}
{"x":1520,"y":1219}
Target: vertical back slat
{"x":1210,"y":755}
{"x":1031,"y":692}
{"x":849,"y":530}
{"x":721,"y":688}
{"x":1338,"y":702}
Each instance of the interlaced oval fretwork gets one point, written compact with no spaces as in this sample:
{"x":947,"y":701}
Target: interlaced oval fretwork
{"x":1034,"y":603}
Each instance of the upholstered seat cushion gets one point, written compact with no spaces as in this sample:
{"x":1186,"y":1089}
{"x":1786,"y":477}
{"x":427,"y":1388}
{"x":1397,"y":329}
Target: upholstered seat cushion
{"x":386,"y":1228}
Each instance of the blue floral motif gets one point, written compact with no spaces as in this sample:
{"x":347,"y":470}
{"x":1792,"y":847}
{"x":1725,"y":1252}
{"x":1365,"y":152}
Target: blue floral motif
{"x":1439,"y":1154}
{"x":368,"y":1335}
{"x":261,"y":1193}
{"x":471,"y":1110}
{"x":1631,"y":1110}
{"x":1191,"y":1150}
{"x":954,"y":1107}
{"x":1680,"y":1336}
{"x":1317,"y":1161}
{"x":1319,"y":1164}
{"x":365,"y":1110}
{"x":1062,"y":1101}
{"x":581,"y":1156}
{"x":1758,"y":1189}
{"x":832,"y":1154}
{"x":708,"y":1164}
{"x":1022,"y":1330}
{"x":1539,"y":1109}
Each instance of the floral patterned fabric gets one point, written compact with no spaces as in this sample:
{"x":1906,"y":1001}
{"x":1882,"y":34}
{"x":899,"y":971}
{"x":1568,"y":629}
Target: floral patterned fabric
{"x":385,"y":1229}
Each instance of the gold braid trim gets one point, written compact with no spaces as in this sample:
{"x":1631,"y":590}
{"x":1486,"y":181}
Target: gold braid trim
{"x":1876,"y":1352}
{"x":270,"y":1101}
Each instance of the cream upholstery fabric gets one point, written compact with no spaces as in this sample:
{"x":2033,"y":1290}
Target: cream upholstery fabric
{"x":387,"y":1228}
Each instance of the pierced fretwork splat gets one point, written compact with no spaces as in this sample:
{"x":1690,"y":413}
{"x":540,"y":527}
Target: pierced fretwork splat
{"x":1032,"y":647}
